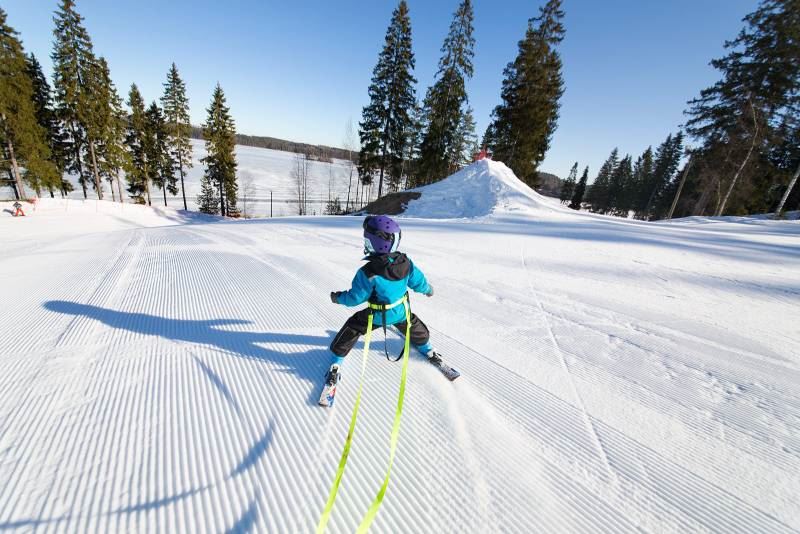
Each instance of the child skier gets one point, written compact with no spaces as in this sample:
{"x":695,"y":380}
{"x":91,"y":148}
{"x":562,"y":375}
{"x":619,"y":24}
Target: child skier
{"x":383,"y":283}
{"x":18,"y":212}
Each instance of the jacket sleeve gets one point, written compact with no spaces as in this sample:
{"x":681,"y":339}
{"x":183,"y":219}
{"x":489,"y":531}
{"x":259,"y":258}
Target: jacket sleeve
{"x":359,"y":292}
{"x":417,"y":280}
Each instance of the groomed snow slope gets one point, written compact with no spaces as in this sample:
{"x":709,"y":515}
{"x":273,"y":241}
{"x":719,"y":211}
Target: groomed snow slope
{"x":480,"y":189}
{"x":616,"y":377}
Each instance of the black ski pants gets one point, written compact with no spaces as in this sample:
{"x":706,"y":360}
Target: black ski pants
{"x":356,"y":326}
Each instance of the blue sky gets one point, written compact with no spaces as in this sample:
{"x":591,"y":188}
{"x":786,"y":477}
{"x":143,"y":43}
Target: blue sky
{"x":300,"y":70}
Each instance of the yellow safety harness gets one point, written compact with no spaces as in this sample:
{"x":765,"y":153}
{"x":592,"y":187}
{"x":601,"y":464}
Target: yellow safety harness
{"x":376,"y":503}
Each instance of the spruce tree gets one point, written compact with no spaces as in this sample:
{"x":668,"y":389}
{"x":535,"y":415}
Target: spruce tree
{"x":597,"y":194}
{"x":113,"y":157}
{"x":580,"y":190}
{"x":387,"y":119}
{"x":619,"y":185}
{"x":665,"y":165}
{"x":737,"y":119}
{"x":219,"y":133}
{"x":568,"y":186}
{"x":101,"y":116}
{"x":138,"y":176}
{"x":23,"y":139}
{"x":54,"y":135}
{"x":95,"y":115}
{"x":524,"y":123}
{"x":785,"y":158}
{"x":442,"y":145}
{"x":176,"y":115}
{"x":157,"y":151}
{"x":72,"y":58}
{"x":208,"y":199}
{"x":643,"y":180}
{"x":412,"y":154}
{"x":464,"y":143}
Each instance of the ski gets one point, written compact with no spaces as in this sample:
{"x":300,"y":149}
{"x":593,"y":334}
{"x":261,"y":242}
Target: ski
{"x":444,"y":368}
{"x":328,"y":394}
{"x":449,"y":373}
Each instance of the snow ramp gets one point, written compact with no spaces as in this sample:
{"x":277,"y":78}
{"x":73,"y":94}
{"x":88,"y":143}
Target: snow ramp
{"x":483,"y":188}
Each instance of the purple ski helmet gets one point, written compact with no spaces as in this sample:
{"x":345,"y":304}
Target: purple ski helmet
{"x":381,"y":234}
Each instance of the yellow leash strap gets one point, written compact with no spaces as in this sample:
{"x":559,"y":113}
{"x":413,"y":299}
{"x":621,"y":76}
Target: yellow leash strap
{"x":384,"y":307}
{"x":373,"y":509}
{"x":326,"y":513}
{"x":376,"y":503}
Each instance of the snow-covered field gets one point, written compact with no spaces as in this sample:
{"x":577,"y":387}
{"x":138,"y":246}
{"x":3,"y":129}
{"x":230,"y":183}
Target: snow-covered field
{"x":160,"y":372}
{"x":268,"y":171}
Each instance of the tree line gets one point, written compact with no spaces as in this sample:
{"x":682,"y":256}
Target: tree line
{"x":642,"y":188}
{"x":747,"y":133}
{"x":745,"y":129}
{"x":747,"y":125}
{"x":408,"y":143}
{"x":318,"y":152}
{"x":80,"y":127}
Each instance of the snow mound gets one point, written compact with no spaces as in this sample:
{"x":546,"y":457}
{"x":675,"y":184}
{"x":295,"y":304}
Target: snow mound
{"x":483,"y":188}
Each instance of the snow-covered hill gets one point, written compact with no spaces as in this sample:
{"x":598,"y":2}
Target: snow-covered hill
{"x":160,"y":373}
{"x":269,"y":171}
{"x":480,"y":189}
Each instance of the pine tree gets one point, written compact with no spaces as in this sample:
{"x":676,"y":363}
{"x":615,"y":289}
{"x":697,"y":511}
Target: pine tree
{"x":619,"y":185}
{"x":465,"y":144}
{"x":219,"y":133}
{"x":489,"y":137}
{"x":387,"y":119}
{"x":95,"y":115}
{"x":580,"y":190}
{"x":568,"y":187}
{"x":643,"y":182}
{"x":113,"y":157}
{"x":72,"y":58}
{"x":138,"y":175}
{"x":103,"y":120}
{"x":412,"y":154}
{"x":47,"y":120}
{"x":23,"y":139}
{"x":785,"y":158}
{"x":598,"y":195}
{"x":208,"y":200}
{"x":157,"y":151}
{"x":524,"y":123}
{"x":667,"y":159}
{"x":737,"y":119}
{"x":444,"y":104}
{"x":179,"y":128}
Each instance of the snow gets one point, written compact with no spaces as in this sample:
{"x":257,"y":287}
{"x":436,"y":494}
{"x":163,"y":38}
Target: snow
{"x":268,"y":170}
{"x":482,"y":188}
{"x":161,"y":372}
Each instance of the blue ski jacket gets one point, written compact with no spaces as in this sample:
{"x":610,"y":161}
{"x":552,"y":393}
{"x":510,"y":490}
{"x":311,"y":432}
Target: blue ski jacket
{"x":384,"y":280}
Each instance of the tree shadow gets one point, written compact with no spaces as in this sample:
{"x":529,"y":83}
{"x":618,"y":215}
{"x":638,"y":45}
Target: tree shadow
{"x":244,"y":523}
{"x":309,"y":365}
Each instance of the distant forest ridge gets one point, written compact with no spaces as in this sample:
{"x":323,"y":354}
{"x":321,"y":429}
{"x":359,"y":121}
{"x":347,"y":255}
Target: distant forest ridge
{"x":549,"y":184}
{"x":320,"y":152}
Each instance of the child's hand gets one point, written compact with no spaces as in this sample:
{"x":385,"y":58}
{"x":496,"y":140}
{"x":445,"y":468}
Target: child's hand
{"x":335,"y":296}
{"x":429,"y":293}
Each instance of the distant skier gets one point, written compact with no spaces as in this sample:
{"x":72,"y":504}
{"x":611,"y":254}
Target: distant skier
{"x":382,"y":283}
{"x":18,"y":210}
